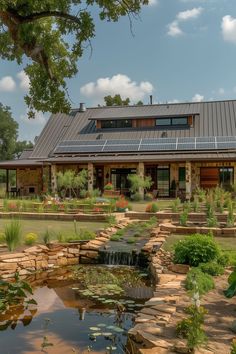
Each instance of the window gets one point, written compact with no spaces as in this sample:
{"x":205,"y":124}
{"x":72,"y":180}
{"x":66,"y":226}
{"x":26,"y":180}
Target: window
{"x":172,"y":122}
{"x":226,"y":177}
{"x":182,"y":178}
{"x":118,"y":123}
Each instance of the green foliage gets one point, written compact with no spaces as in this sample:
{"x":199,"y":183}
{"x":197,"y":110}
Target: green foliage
{"x":111,"y":220}
{"x":46,"y":237}
{"x":116,"y":101}
{"x":196,"y":204}
{"x":136,"y":197}
{"x":196,"y":249}
{"x":223,"y":259}
{"x":152,"y":208}
{"x":148,"y":197}
{"x":211,"y":217}
{"x":137,"y":182}
{"x":212,"y":268}
{"x":204,"y":281}
{"x":42,"y":31}
{"x":72,"y":181}
{"x":183,"y":218}
{"x":78,"y":235}
{"x":233,"y":347}
{"x":201,"y":194}
{"x":2,"y":237}
{"x":131,"y":240}
{"x":30,"y":238}
{"x":14,"y":294}
{"x":8,"y":130}
{"x":230,"y":217}
{"x":12,"y":233}
{"x":175,"y":205}
{"x":109,"y":187}
{"x":191,"y":327}
{"x":231,"y":291}
{"x":115,"y":238}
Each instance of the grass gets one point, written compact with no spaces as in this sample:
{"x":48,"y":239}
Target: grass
{"x":141,"y":206}
{"x":65,"y":228}
{"x":227,"y":244}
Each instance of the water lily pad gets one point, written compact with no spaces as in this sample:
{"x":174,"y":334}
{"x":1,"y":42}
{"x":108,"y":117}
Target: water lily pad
{"x":75,"y":288}
{"x":101,"y":325}
{"x":130,"y":302}
{"x":94,"y":329}
{"x":111,"y":348}
{"x":97,"y":334}
{"x":107,"y":334}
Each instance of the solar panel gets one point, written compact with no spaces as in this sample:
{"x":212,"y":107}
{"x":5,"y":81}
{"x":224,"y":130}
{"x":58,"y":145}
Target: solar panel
{"x":205,"y":139}
{"x":124,"y":148}
{"x":123,"y":142}
{"x":186,"y":146}
{"x":81,"y":142}
{"x":186,"y":140}
{"x":158,"y":141}
{"x":157,"y":147}
{"x":205,"y":146}
{"x":222,"y":139}
{"x":226,"y":145}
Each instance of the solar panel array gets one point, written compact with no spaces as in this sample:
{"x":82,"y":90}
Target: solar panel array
{"x":149,"y":145}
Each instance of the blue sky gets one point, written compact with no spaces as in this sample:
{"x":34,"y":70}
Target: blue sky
{"x":182,"y":50}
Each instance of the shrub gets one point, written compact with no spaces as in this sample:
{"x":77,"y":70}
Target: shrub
{"x":183,"y":218}
{"x":230,"y":216}
{"x":233,"y":347}
{"x":115,"y":237}
{"x":175,"y":205}
{"x":30,"y":238}
{"x":12,"y":234}
{"x":148,"y":197}
{"x":191,"y":327}
{"x":204,"y":281}
{"x":136,"y":197}
{"x":196,"y":204}
{"x":196,"y":249}
{"x":223,"y":259}
{"x":152,"y":208}
{"x":131,"y":240}
{"x":212,"y":268}
{"x":109,"y":187}
{"x":121,"y":204}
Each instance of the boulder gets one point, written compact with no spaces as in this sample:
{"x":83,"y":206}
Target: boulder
{"x":179,"y":268}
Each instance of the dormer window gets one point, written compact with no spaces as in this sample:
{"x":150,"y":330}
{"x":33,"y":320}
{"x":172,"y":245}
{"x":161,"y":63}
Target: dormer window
{"x":118,"y":123}
{"x":172,"y":122}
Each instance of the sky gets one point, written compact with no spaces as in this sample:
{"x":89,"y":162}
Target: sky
{"x":180,"y":51}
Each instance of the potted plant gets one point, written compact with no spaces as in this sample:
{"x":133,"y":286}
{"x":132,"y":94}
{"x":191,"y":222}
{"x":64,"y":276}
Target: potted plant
{"x":109,"y":187}
{"x":122,"y":204}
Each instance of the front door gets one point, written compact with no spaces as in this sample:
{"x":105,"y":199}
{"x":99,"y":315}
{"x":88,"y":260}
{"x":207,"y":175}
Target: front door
{"x":163,"y":181}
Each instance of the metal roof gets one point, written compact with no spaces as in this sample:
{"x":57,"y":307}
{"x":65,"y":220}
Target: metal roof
{"x":215,"y":119}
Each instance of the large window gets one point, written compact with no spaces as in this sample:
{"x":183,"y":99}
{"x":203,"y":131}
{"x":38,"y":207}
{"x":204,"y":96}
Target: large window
{"x":172,"y":122}
{"x":118,"y":123}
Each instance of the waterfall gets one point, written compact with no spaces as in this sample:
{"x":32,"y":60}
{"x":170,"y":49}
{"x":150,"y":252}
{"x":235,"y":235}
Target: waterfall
{"x":122,"y":258}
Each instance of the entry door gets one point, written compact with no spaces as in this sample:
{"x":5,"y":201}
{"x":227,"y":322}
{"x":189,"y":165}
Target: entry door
{"x":163,"y":182}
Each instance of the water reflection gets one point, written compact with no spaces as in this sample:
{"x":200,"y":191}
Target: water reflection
{"x":67,"y":321}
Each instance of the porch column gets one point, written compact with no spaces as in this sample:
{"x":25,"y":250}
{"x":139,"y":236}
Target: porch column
{"x":90,"y":177}
{"x":141,"y":174}
{"x":54,"y":178}
{"x":188,"y":177}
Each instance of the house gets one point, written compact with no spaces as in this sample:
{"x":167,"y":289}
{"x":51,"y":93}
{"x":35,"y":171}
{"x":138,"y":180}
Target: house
{"x":181,"y":146}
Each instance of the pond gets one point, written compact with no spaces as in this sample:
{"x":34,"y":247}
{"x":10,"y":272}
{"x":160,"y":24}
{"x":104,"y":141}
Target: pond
{"x":85,"y":309}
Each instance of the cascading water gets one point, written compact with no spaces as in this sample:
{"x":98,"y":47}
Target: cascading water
{"x":133,"y":258}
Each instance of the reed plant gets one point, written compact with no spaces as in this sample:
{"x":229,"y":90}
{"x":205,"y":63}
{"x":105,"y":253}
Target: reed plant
{"x":12,"y":234}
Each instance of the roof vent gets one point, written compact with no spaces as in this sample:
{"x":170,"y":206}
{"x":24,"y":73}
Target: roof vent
{"x":150,"y":99}
{"x":82,"y":107}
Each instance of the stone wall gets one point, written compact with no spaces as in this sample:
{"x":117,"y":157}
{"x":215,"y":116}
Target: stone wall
{"x":29,"y":178}
{"x":37,"y":258}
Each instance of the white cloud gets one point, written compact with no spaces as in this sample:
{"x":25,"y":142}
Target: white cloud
{"x":39,"y":119}
{"x":221,"y":91}
{"x":174,"y":30}
{"x":197,"y":98}
{"x":189,"y":14}
{"x":117,"y":84}
{"x":7,"y":84}
{"x":153,"y":2}
{"x":228,"y":27}
{"x":24,"y":80}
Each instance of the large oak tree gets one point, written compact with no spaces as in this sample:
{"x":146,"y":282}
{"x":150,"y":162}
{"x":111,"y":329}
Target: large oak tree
{"x":53,"y":35}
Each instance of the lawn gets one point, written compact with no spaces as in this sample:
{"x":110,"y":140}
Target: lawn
{"x":55,"y":227}
{"x":227,"y":244}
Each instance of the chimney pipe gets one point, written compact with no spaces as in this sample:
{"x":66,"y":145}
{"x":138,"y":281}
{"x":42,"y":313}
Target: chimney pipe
{"x":150,"y":99}
{"x":82,"y":107}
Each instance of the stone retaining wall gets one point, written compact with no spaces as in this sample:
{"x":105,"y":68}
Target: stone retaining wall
{"x":54,"y":216}
{"x":188,"y":230}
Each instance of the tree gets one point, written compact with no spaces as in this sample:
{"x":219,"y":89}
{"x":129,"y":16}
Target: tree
{"x":116,"y":101}
{"x":8,"y":133}
{"x":137,"y":182}
{"x":71,"y":181}
{"x":53,"y":35}
{"x":20,"y":146}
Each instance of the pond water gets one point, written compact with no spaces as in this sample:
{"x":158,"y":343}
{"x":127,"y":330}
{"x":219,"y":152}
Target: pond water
{"x":85,"y":309}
